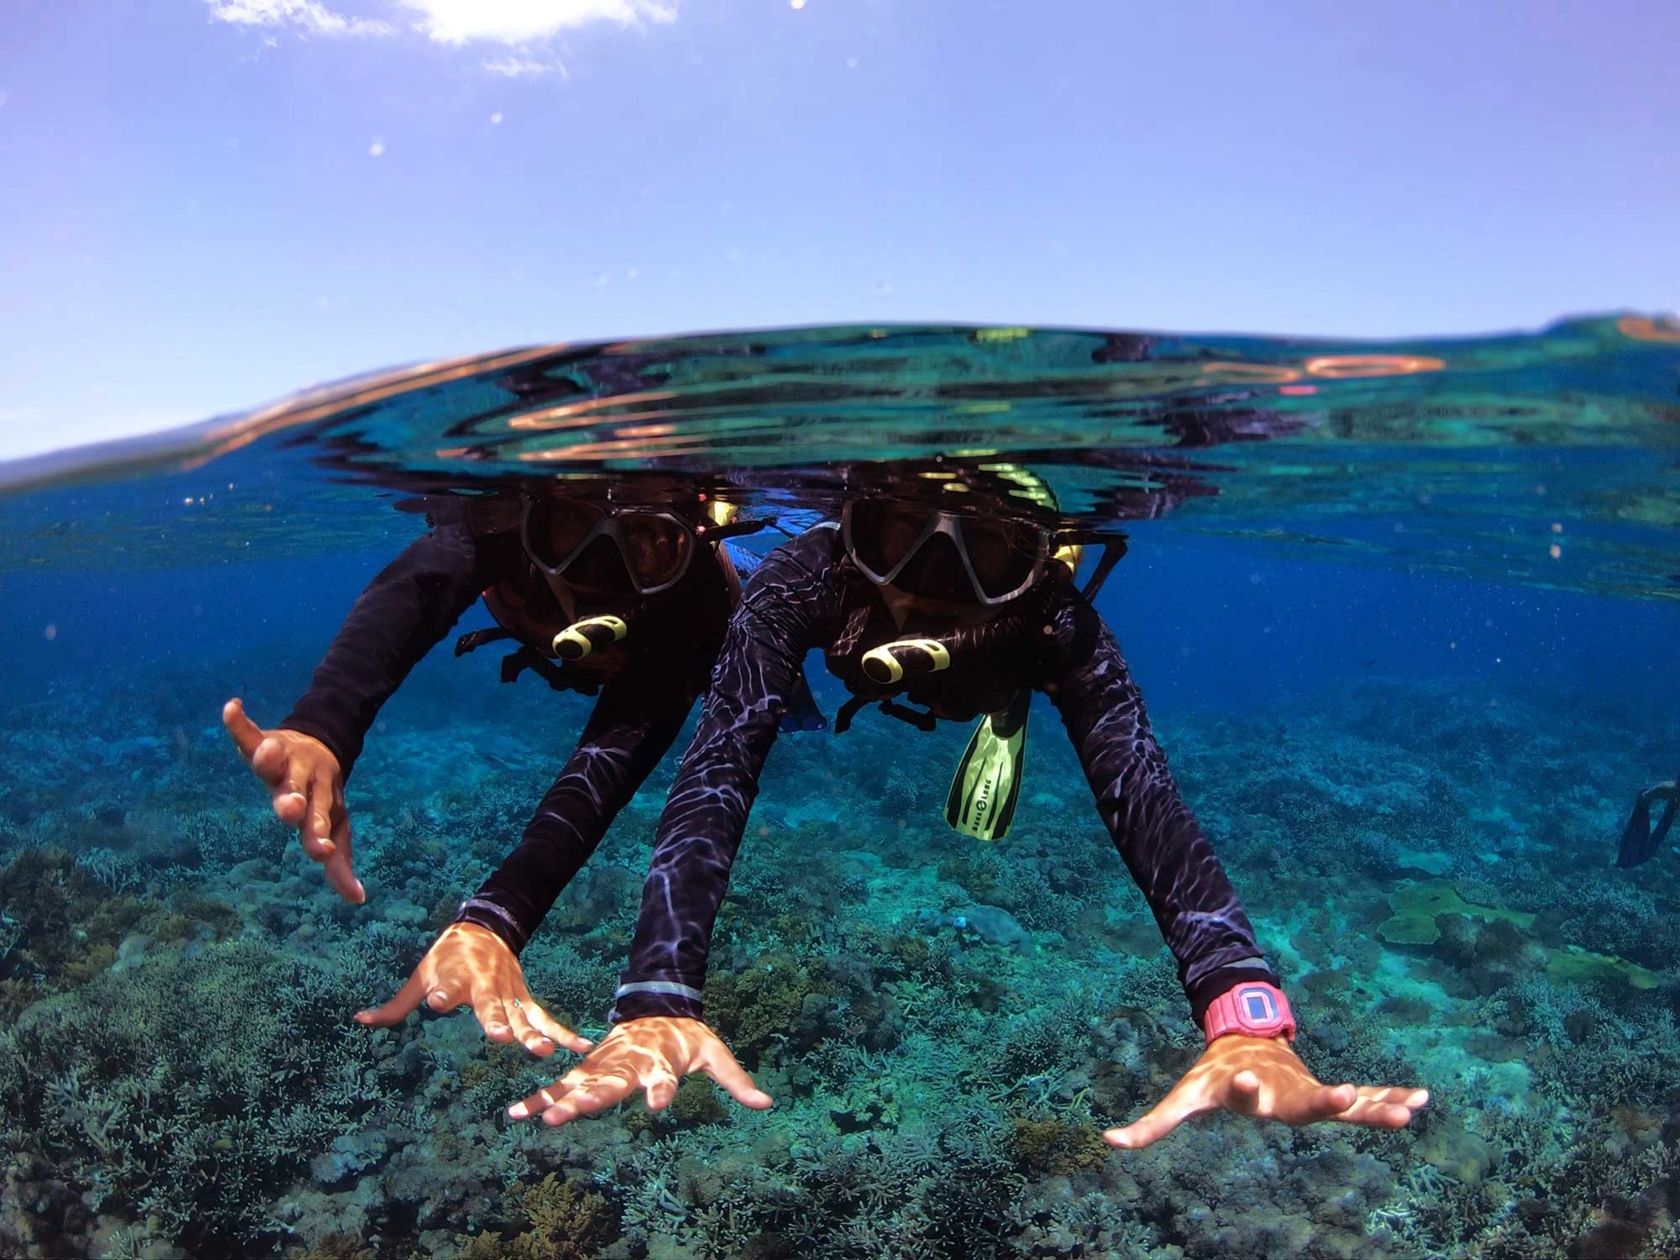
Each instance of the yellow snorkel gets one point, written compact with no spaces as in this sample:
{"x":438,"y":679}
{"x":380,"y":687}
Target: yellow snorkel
{"x":591,"y":635}
{"x":718,"y":519}
{"x":905,"y":658}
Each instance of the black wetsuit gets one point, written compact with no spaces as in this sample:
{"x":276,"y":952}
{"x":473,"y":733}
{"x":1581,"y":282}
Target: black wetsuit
{"x":412,"y":604}
{"x":806,"y":595}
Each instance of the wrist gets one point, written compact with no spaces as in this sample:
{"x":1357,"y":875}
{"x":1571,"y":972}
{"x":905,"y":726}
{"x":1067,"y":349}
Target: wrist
{"x":481,"y":912}
{"x":641,"y":999}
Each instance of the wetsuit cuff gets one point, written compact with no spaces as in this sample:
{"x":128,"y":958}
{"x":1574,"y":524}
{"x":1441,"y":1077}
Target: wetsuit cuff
{"x":673,"y":999}
{"x":1202,"y":993}
{"x":484,"y":913}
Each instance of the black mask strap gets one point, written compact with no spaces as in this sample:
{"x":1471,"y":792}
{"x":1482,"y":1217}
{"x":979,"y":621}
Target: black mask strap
{"x":1114,"y":549}
{"x":737,"y":529}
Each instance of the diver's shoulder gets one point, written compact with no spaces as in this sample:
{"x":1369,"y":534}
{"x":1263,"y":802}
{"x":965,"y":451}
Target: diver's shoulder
{"x":811,"y":556}
{"x":822,"y":539}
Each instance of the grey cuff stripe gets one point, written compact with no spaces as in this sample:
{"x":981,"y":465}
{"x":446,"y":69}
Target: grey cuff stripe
{"x":670,"y":987}
{"x":490,"y":907}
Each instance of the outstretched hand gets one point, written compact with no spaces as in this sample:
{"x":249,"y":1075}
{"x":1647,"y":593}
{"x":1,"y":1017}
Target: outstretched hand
{"x":471,"y":966}
{"x":651,"y":1054}
{"x":307,"y":787}
{"x":1263,"y":1077}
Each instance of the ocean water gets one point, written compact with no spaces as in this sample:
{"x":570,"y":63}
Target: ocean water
{"x":1406,"y":618}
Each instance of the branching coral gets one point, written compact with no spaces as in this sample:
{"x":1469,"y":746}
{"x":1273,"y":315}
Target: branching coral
{"x":122,"y":1086}
{"x":563,"y":1222}
{"x":939,"y":1093}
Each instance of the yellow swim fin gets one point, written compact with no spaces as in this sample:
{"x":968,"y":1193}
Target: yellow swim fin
{"x":988,"y":781}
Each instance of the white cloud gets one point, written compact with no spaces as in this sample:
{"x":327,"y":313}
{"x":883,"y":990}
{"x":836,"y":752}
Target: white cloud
{"x":518,"y":22}
{"x":307,"y":15}
{"x":524,"y":27}
{"x":517,"y":67}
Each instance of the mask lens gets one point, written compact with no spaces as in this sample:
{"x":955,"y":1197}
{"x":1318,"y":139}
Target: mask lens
{"x":655,"y":547}
{"x":600,"y":569}
{"x":556,"y":528}
{"x":1002,"y":553}
{"x":936,"y":572}
{"x":883,"y":533}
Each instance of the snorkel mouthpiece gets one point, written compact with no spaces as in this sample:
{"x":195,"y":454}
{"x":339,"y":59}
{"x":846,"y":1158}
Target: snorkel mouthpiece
{"x":905,"y":658}
{"x":592,"y":634}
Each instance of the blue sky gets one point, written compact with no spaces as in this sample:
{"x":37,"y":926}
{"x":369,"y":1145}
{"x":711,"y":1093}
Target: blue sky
{"x":208,"y":203}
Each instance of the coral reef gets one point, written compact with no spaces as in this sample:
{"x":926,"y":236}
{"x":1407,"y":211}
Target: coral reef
{"x":946,"y":1027}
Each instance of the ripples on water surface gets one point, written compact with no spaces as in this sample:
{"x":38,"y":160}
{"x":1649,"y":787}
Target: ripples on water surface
{"x":1403,"y":613}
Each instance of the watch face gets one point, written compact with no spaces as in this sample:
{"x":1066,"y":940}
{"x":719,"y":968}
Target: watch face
{"x":1258,"y":1008}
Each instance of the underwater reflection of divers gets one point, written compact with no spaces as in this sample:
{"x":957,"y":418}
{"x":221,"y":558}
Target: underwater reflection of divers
{"x":1640,"y":839}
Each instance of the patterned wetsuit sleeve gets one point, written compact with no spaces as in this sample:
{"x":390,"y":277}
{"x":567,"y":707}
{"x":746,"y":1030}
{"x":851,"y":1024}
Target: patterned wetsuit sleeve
{"x":790,"y":594}
{"x":395,"y":621}
{"x":1158,"y":838}
{"x":634,"y":722}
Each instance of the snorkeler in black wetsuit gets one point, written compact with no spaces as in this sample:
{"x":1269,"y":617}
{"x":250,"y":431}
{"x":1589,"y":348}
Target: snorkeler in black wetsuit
{"x":901,"y":570}
{"x":628,"y":600}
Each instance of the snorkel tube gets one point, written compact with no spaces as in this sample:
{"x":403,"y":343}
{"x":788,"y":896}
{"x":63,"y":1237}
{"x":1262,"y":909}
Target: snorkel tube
{"x":592,"y":634}
{"x":903,"y":661}
{"x":598,"y":632}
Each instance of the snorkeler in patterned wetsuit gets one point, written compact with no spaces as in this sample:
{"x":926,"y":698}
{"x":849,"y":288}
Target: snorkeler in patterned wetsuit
{"x":626,"y":600}
{"x":904,"y":569}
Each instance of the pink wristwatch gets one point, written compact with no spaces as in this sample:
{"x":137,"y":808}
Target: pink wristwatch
{"x":1255,"y":1009}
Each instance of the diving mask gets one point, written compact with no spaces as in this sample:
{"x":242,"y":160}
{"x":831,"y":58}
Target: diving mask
{"x":580,"y":540}
{"x":1000,"y":558}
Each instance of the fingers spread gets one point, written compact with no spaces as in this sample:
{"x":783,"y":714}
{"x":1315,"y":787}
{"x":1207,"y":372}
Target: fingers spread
{"x":1384,"y":1108}
{"x":525,"y":1031}
{"x":246,"y":734}
{"x":549,"y":1096}
{"x":340,"y":872}
{"x":1248,"y":1095}
{"x":1336,"y":1099}
{"x":1378,"y":1115}
{"x":723,"y":1068}
{"x":317,"y":823}
{"x":1152,"y":1126}
{"x":576,"y":1094}
{"x":661,"y":1087}
{"x":270,"y":761}
{"x":595,"y":1095}
{"x":493,"y":1017}
{"x":1317,"y":1102}
{"x":556,"y":1032}
{"x":399,"y":1007}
